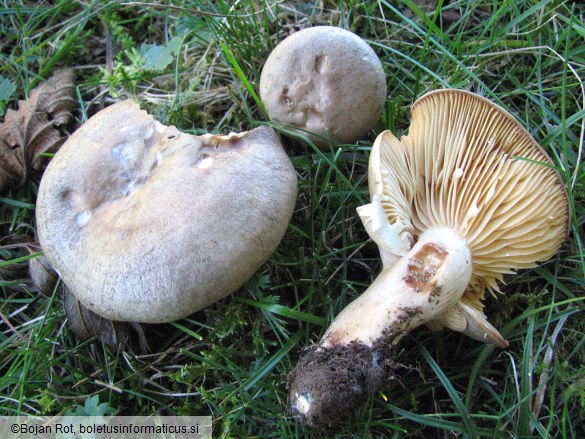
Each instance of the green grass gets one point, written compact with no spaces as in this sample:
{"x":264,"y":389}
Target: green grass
{"x":232,"y":359}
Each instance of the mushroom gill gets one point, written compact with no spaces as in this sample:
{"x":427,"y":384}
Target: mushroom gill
{"x":466,"y":197}
{"x":472,"y":168}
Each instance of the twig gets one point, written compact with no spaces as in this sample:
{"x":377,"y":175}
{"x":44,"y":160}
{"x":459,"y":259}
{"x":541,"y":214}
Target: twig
{"x":543,"y":380}
{"x":18,"y":334}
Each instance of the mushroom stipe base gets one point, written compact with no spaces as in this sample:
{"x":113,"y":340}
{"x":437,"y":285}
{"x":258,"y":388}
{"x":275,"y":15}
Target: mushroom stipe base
{"x":457,"y":203}
{"x":328,"y":384}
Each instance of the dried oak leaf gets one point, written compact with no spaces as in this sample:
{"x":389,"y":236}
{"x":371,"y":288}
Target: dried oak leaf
{"x":86,"y":324}
{"x":43,"y":277}
{"x":36,"y":127}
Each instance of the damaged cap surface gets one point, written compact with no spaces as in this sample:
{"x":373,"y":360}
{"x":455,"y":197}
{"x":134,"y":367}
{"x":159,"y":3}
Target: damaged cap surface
{"x":324,"y":80}
{"x":146,"y":223}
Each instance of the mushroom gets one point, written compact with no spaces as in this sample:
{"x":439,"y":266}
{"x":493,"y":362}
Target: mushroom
{"x":145,"y":223}
{"x":465,"y":198}
{"x":324,"y":81}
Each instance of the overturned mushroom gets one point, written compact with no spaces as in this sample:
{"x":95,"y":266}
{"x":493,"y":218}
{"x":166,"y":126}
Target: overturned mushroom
{"x":466,"y":197}
{"x":325,"y":81}
{"x":145,"y":223}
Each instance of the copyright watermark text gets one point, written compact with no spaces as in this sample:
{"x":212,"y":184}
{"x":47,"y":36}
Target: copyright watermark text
{"x":105,"y":427}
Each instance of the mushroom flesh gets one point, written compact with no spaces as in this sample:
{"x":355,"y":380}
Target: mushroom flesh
{"x":145,"y":223}
{"x":466,"y":197}
{"x":326,"y":82}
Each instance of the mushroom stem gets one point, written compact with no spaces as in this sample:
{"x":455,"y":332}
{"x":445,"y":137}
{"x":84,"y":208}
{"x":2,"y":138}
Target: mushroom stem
{"x":420,"y":287}
{"x":355,"y":357}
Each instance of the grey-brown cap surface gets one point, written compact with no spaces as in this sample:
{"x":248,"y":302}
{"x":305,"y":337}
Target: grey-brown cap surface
{"x":326,"y":81}
{"x":146,"y":223}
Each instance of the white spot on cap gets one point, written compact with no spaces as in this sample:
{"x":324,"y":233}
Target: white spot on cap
{"x":83,"y":218}
{"x":159,"y":127}
{"x":205,"y":163}
{"x":123,"y":152}
{"x":148,"y":132}
{"x":157,"y":159}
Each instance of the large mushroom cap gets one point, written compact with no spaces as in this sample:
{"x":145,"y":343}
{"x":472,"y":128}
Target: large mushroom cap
{"x":468,"y":165}
{"x":145,"y":223}
{"x":324,"y":80}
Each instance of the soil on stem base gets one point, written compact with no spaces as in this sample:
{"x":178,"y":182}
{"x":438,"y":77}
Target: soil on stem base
{"x":329,"y":384}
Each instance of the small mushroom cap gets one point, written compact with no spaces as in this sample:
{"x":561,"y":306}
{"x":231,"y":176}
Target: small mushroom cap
{"x":145,"y":223}
{"x":468,"y":165}
{"x":324,"y":80}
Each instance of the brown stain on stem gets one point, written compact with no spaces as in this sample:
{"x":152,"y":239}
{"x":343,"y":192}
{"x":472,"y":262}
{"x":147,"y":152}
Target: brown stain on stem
{"x":423,"y":267}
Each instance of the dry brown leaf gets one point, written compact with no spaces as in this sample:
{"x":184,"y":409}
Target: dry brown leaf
{"x":43,"y":277}
{"x":86,"y":324}
{"x":36,"y":127}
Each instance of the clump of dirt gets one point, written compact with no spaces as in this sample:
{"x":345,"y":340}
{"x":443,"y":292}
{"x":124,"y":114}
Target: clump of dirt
{"x":327,"y":385}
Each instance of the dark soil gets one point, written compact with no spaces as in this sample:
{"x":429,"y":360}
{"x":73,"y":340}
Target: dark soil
{"x":337,"y":380}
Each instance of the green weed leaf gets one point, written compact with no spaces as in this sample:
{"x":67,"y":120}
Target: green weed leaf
{"x":157,"y":57}
{"x":7,"y":88}
{"x":92,"y":407}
